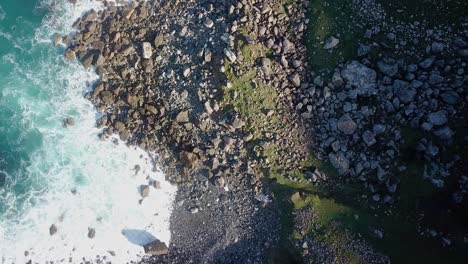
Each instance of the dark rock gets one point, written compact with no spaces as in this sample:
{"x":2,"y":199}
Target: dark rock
{"x":52,"y":230}
{"x":144,"y":190}
{"x":403,"y":91}
{"x":340,"y":162}
{"x":346,"y":125}
{"x":69,"y":121}
{"x":156,"y":248}
{"x":331,"y":43}
{"x":363,"y":50}
{"x":438,"y":118}
{"x":425,"y":64}
{"x":387,"y":69}
{"x":369,"y":138}
{"x":91,"y":233}
{"x":359,"y":76}
{"x":437,"y":47}
{"x":444,"y":133}
{"x":450,"y":97}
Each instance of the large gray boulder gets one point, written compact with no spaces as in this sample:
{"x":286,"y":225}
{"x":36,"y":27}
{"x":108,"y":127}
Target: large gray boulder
{"x":361,"y":77}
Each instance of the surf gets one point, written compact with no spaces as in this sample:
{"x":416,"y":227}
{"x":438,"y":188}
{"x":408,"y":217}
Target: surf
{"x":66,"y":177}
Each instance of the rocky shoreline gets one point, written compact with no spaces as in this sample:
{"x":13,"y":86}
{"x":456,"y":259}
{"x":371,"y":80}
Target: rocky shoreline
{"x":223,"y":93}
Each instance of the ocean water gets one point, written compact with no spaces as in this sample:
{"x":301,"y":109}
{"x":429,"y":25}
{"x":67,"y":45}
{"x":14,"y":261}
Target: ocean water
{"x":50,"y":174}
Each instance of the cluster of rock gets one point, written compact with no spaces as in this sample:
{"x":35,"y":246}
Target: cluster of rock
{"x":161,"y":65}
{"x":365,"y":114}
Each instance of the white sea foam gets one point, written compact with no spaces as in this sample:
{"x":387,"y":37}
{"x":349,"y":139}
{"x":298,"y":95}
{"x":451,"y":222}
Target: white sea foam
{"x":77,"y":181}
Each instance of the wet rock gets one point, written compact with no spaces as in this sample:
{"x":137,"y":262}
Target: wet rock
{"x":360,"y":76}
{"x":88,"y":60}
{"x":70,"y":54}
{"x":91,"y":233}
{"x":331,"y":43}
{"x":57,"y":39}
{"x":346,"y":125}
{"x":52,"y":230}
{"x":438,"y":118}
{"x":69,"y":121}
{"x":144,"y":191}
{"x":156,"y":248}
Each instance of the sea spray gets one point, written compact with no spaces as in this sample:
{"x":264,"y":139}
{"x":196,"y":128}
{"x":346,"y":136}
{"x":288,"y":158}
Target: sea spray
{"x":71,"y":179}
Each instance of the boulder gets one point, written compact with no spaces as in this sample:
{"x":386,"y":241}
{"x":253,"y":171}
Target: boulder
{"x":70,"y":54}
{"x":387,"y":69}
{"x":189,"y":159}
{"x":295,"y":79}
{"x":444,"y":133}
{"x":69,"y":121}
{"x":52,"y":230}
{"x":182,"y":117}
{"x":91,"y":233}
{"x":369,"y":138}
{"x":360,"y":76}
{"x":331,"y":43}
{"x":156,"y":248}
{"x":265,"y":65}
{"x":144,"y":190}
{"x":57,"y":39}
{"x":147,"y":50}
{"x":346,"y":125}
{"x":403,"y":91}
{"x":88,"y":60}
{"x":450,"y":97}
{"x":438,"y":118}
{"x":230,"y":55}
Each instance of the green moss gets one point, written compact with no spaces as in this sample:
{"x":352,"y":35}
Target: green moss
{"x":327,"y":19}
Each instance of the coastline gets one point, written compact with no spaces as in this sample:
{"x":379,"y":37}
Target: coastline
{"x":229,"y":107}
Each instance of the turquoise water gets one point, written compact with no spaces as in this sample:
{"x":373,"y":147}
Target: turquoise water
{"x":19,"y":134}
{"x":50,"y":174}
